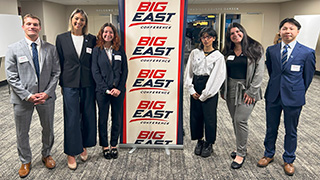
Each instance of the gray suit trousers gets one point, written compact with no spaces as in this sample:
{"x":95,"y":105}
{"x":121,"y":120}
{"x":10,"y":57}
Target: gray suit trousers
{"x":239,"y":112}
{"x":23,"y":116}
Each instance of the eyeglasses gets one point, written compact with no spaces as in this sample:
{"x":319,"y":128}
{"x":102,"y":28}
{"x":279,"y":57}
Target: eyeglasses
{"x":206,"y":37}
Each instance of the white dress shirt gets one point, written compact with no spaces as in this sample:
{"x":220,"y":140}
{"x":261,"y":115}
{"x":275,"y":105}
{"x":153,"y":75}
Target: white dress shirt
{"x":290,"y":48}
{"x":109,"y":53}
{"x":38,"y":42}
{"x":212,"y":65}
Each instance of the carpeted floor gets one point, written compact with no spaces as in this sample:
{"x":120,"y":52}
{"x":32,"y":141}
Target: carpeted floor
{"x":180,"y":164}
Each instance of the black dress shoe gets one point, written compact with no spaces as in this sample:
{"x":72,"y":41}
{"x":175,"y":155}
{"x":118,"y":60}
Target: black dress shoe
{"x":198,"y":148}
{"x":207,"y":149}
{"x":114,"y":153}
{"x":235,"y":165}
{"x":233,"y":154}
{"x":106,"y":153}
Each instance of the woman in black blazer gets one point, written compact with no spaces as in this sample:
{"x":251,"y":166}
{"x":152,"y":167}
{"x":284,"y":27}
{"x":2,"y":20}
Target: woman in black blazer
{"x":75,"y":52}
{"x":110,"y":70}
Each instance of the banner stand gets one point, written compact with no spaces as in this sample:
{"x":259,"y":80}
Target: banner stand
{"x":134,"y":148}
{"x":153,"y":146}
{"x":152,"y":34}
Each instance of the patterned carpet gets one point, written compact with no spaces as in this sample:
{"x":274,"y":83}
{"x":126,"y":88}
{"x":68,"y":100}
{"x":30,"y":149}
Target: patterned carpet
{"x":180,"y":164}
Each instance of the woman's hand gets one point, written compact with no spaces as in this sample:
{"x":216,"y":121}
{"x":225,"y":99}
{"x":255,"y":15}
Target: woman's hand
{"x":196,"y":96}
{"x":248,"y":100}
{"x":115,"y":92}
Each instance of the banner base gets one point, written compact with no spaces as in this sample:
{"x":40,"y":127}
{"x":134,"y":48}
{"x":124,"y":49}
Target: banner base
{"x":142,"y":146}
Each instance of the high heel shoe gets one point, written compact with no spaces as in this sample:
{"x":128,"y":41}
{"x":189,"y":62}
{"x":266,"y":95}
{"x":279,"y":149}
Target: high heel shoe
{"x":114,"y":153}
{"x":72,"y":166}
{"x":84,"y":155}
{"x":106,"y":153}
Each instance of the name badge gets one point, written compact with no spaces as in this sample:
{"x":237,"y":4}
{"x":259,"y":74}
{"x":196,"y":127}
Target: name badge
{"x":230,"y":58}
{"x":22,"y":59}
{"x":89,"y":50}
{"x":295,"y":68}
{"x":117,"y":57}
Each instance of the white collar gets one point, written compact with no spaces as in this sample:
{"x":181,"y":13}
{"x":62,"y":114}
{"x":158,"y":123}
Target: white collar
{"x":108,"y":49}
{"x":29,"y":42}
{"x":291,"y":44}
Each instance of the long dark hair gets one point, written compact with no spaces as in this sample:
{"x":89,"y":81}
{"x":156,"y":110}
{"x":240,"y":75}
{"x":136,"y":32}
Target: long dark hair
{"x":116,"y":38}
{"x":210,"y":32}
{"x":250,"y":47}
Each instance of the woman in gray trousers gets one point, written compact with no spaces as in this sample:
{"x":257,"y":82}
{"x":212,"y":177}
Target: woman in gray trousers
{"x":241,"y":89}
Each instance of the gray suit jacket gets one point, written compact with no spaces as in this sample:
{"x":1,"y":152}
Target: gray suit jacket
{"x":21,"y":74}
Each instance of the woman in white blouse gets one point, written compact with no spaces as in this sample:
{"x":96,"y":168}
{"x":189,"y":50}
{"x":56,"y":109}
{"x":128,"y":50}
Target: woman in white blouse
{"x":205,"y":73}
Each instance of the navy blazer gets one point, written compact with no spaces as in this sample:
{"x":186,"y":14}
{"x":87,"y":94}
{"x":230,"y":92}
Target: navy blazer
{"x":293,"y":79}
{"x":75,"y":71}
{"x":109,"y":75}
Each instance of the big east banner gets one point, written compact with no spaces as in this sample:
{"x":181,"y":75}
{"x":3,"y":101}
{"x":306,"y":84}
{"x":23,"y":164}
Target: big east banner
{"x":152,"y":33}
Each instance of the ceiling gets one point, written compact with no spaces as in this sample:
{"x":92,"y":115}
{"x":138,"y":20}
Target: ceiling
{"x":115,"y":2}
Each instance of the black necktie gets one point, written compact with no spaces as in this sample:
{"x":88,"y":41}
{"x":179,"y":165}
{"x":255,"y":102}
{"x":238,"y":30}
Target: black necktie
{"x":35,"y":58}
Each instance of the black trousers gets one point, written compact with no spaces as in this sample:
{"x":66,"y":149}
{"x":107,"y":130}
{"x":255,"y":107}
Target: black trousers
{"x":203,"y":115}
{"x":80,"y":125}
{"x":104,"y":101}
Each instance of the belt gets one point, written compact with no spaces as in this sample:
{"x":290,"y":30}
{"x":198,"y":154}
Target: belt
{"x":239,"y":89}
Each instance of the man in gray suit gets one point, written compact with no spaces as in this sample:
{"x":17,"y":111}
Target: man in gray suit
{"x":32,"y":69}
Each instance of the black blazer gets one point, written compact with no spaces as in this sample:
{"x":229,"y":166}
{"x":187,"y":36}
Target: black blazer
{"x":75,"y":72}
{"x":109,"y":76}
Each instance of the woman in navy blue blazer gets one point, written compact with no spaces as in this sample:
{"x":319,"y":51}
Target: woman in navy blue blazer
{"x":79,"y":109}
{"x":109,"y":70}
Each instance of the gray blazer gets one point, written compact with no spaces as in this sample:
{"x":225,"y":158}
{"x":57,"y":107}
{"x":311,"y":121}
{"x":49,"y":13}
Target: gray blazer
{"x":21,"y":74}
{"x":255,"y":72}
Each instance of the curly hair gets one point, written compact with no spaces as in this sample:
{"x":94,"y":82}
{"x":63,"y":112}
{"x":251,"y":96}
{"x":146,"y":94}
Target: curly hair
{"x":115,"y":41}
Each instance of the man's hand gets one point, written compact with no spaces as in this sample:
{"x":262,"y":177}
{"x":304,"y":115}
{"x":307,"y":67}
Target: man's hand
{"x":33,"y":98}
{"x":38,"y":98}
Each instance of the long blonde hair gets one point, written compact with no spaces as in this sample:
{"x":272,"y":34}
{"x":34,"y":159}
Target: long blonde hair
{"x":83,"y":13}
